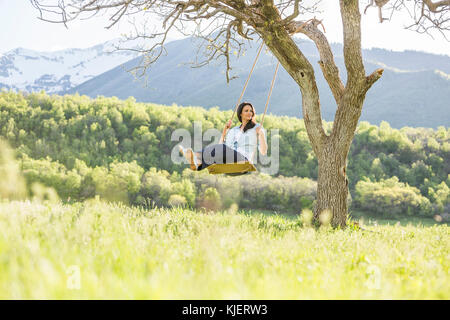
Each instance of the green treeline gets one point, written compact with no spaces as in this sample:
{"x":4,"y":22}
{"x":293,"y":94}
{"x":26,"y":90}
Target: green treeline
{"x":129,"y":183}
{"x":120,"y":149}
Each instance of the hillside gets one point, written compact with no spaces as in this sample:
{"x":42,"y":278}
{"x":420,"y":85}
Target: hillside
{"x":414,"y":90}
{"x":85,"y":147}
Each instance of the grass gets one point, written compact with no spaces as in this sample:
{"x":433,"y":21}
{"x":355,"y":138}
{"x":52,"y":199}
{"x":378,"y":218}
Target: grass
{"x":95,"y":250}
{"x":395,"y":221}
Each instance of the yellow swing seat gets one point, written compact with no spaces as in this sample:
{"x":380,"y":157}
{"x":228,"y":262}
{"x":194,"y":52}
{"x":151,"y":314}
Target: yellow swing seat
{"x":237,"y":167}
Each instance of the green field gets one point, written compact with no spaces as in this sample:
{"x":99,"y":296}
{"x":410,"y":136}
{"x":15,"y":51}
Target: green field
{"x":95,"y":250}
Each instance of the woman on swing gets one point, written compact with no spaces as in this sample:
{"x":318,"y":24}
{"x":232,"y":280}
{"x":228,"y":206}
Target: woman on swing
{"x":236,"y":145}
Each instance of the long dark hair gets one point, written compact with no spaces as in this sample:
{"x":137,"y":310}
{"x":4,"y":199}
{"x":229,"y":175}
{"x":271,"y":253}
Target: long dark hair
{"x":249,"y":124}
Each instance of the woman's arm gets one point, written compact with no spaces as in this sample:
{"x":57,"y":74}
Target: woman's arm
{"x":224,"y":132}
{"x":262,"y":140}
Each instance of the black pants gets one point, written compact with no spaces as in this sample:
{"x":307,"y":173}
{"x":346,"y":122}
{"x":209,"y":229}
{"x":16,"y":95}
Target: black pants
{"x":219,"y":153}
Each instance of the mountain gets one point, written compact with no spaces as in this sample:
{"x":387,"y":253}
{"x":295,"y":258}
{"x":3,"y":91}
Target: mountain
{"x":28,"y":70}
{"x":413,"y":91}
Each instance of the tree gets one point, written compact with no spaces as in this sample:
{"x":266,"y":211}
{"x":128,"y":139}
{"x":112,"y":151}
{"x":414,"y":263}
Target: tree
{"x":229,"y":23}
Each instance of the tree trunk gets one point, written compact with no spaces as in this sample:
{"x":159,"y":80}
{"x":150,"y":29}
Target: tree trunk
{"x":332,"y":188}
{"x":331,"y":150}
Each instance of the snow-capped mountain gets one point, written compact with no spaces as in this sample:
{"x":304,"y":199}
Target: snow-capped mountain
{"x":58,"y":71}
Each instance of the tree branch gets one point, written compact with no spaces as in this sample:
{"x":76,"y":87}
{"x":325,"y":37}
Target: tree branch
{"x":427,"y":16}
{"x":278,"y":40}
{"x":326,"y":62}
{"x":295,"y":13}
{"x":351,"y":21}
{"x":437,"y":6}
{"x":349,"y":112}
{"x":371,"y":79}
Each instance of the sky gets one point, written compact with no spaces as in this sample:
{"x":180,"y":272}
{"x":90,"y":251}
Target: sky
{"x":20,"y":27}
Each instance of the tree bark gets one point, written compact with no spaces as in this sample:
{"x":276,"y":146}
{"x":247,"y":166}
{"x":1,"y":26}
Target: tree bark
{"x":332,"y":187}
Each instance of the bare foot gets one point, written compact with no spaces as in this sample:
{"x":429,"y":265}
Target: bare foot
{"x":191,"y":157}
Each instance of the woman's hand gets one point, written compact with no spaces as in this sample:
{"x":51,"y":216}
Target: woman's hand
{"x":262,"y":140}
{"x":225,"y":129}
{"x":258,"y":130}
{"x":228,"y":124}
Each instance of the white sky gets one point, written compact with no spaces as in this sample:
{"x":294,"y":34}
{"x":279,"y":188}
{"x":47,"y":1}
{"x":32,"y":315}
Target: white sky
{"x":20,"y":28}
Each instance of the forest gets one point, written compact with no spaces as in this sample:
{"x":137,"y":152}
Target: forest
{"x":74,"y":148}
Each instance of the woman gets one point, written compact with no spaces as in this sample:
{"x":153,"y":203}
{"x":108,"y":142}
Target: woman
{"x":235,"y":145}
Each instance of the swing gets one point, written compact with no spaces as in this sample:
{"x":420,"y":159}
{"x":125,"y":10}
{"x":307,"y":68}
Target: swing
{"x":243,"y":167}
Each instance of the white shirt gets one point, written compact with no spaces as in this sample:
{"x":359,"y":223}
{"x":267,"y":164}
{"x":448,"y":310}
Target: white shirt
{"x":244,"y":142}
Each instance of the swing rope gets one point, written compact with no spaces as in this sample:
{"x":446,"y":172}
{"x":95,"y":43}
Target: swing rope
{"x":274,"y":76}
{"x":246,"y":83}
{"x":241,"y":168}
{"x":270,"y":92}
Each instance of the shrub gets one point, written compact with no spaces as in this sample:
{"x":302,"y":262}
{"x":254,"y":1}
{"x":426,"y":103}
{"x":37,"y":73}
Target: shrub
{"x":176,"y":200}
{"x":52,"y":174}
{"x":186,"y":189}
{"x":12,"y":183}
{"x":440,"y":197}
{"x":156,"y":186}
{"x":121,"y":183}
{"x":390,"y":197}
{"x":210,"y":200}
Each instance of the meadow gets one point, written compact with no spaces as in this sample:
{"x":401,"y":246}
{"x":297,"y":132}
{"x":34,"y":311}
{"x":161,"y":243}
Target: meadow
{"x":110,"y":216}
{"x":99,"y":250}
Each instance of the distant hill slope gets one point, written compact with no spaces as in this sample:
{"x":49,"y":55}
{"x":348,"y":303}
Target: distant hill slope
{"x":414,"y":90}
